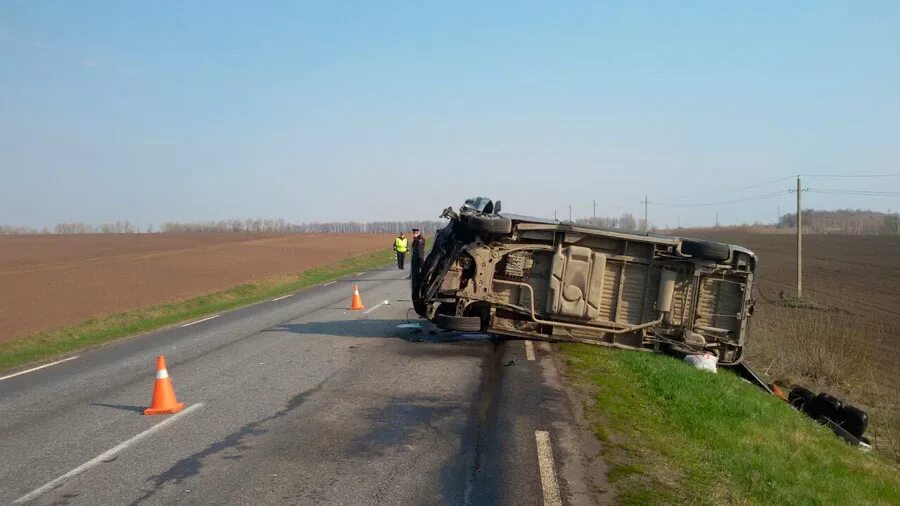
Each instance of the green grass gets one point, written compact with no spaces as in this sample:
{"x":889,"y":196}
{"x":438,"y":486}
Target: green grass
{"x":676,"y":435}
{"x":54,"y":342}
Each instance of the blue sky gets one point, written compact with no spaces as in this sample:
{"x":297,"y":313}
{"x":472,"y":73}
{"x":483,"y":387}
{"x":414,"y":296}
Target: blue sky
{"x":189,"y":111}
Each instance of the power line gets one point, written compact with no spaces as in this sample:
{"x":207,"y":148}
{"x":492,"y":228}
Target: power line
{"x":867,"y":193}
{"x":757,"y":197}
{"x":849,"y":175}
{"x":742,"y":188}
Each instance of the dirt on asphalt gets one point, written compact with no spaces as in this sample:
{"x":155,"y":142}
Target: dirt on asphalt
{"x":48,"y":281}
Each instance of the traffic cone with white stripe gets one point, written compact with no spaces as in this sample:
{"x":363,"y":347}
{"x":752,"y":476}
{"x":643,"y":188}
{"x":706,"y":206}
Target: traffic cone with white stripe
{"x":164,"y":401}
{"x":356,"y":303}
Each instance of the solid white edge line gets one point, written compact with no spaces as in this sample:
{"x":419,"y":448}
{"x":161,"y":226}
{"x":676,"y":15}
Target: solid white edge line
{"x":548,"y":473}
{"x":373,"y":308}
{"x":105,"y":456}
{"x":282,"y":297}
{"x":529,"y":349}
{"x":201,"y":320}
{"x":329,"y":283}
{"x":26,"y":371}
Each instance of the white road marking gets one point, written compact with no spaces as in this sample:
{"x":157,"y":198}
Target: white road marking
{"x":329,"y":283}
{"x":13,"y":375}
{"x":529,"y":349}
{"x":548,"y":473}
{"x":360,"y":273}
{"x":201,"y":320}
{"x":105,"y":456}
{"x":282,"y":297}
{"x":376,"y":306}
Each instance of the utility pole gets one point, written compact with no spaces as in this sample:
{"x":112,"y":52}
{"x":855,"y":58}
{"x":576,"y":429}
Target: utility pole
{"x":570,"y":213}
{"x":799,"y":244}
{"x":554,"y":215}
{"x":595,"y":210}
{"x":778,"y":218}
{"x":679,"y":221}
{"x":717,"y":219}
{"x":646,"y":223}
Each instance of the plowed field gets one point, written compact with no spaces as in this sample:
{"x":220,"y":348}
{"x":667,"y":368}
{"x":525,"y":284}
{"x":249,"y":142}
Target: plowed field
{"x":53,"y":280}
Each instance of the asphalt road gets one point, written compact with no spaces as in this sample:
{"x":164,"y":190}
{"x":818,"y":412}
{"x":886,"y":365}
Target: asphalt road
{"x":298,"y":401}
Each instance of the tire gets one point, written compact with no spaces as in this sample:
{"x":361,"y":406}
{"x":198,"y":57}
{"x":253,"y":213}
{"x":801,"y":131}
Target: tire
{"x":800,"y":396}
{"x":489,"y":224}
{"x":706,"y":250}
{"x":823,"y":405}
{"x":459,"y":323}
{"x":853,"y":420}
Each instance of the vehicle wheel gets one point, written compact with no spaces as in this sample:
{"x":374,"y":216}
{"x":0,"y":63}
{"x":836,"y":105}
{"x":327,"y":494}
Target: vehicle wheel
{"x":489,"y":224}
{"x":460,"y":323}
{"x":823,"y":405}
{"x":800,"y":396}
{"x":853,"y":420}
{"x":705,"y":250}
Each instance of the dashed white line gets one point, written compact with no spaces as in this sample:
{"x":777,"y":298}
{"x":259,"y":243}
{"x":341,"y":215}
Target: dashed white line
{"x":201,"y":320}
{"x":360,"y":273}
{"x":282,"y":297}
{"x":13,"y":375}
{"x":329,"y":283}
{"x":376,"y":306}
{"x":104,"y":457}
{"x":548,"y":472}
{"x":529,"y":349}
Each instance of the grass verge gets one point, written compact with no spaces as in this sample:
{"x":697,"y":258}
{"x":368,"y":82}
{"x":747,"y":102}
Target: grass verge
{"x":101,"y":330}
{"x":677,"y":435}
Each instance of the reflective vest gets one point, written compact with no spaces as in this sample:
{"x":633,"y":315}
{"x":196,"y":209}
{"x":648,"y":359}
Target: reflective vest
{"x":400,"y":245}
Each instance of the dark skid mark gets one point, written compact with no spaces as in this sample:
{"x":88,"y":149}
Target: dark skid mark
{"x":461,"y":476}
{"x":191,"y":465}
{"x":401,"y":419}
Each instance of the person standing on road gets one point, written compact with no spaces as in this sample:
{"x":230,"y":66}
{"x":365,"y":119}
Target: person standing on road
{"x":418,"y":254}
{"x":400,"y":247}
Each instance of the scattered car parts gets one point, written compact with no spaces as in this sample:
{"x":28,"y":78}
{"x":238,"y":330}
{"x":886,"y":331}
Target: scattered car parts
{"x":846,"y":421}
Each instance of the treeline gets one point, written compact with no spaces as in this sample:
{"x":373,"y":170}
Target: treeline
{"x":844,"y":221}
{"x":281,"y":226}
{"x":626,"y":222}
{"x":14,"y":230}
{"x":278,"y":226}
{"x":119,"y":227}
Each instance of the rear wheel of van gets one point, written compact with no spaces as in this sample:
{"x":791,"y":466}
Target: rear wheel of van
{"x":459,"y":323}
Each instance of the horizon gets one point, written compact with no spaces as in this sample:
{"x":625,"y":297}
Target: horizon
{"x":338,"y":113}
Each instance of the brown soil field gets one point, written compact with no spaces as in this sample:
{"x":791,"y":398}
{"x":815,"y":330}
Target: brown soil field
{"x":857,"y":276}
{"x":48,"y":281}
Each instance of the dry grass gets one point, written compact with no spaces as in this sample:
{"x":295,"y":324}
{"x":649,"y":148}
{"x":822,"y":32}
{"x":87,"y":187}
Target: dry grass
{"x":822,"y":349}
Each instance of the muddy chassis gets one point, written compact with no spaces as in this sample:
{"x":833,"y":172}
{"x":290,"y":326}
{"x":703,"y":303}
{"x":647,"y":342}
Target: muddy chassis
{"x":546,"y":280}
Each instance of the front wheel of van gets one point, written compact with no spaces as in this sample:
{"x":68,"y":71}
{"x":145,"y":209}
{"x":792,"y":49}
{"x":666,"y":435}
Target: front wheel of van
{"x":489,"y":224}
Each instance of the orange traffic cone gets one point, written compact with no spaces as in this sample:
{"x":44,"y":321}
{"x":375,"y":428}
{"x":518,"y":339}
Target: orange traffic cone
{"x":164,"y":401}
{"x":357,"y":300}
